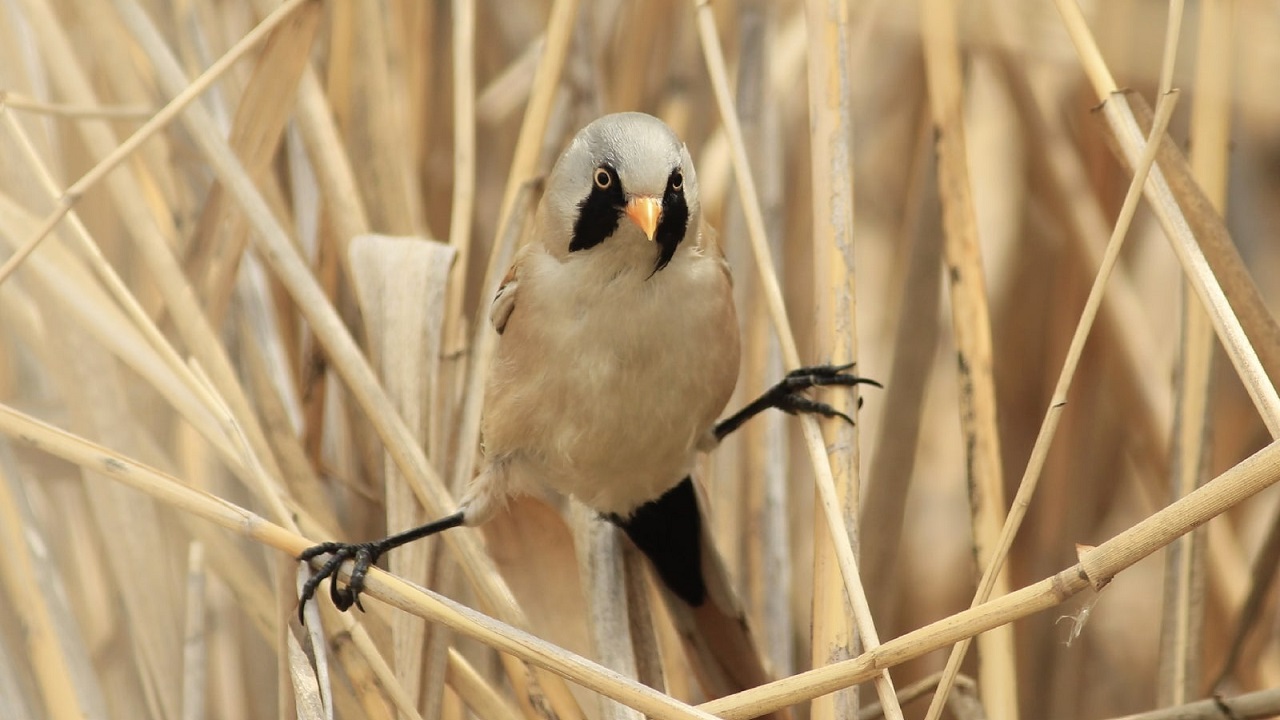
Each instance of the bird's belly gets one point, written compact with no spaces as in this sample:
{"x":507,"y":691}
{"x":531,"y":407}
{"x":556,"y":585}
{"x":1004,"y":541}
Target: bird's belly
{"x":622,"y":437}
{"x":615,"y":404}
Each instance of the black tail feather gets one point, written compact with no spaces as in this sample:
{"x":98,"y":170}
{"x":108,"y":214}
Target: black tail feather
{"x":669,"y":532}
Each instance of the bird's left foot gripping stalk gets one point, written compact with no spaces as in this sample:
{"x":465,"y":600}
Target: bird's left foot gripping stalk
{"x":364,"y":556}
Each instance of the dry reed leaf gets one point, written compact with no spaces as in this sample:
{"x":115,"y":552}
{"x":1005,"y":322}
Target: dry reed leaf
{"x":395,"y":278}
{"x":265,"y":105}
{"x":311,"y":704}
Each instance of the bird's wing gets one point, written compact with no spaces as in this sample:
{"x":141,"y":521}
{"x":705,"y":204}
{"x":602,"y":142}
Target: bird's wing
{"x":709,"y":245}
{"x":709,"y":240}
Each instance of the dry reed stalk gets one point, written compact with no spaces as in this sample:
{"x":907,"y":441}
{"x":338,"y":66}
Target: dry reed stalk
{"x":332,"y":165}
{"x":127,"y":526}
{"x":644,"y":636}
{"x":47,"y":25}
{"x":601,"y":567}
{"x":1165,"y":188}
{"x":27,"y":595}
{"x":522,"y":170}
{"x":194,"y":651}
{"x":714,"y":56}
{"x":1182,"y":637}
{"x":921,"y":688}
{"x":376,"y":125}
{"x":1098,"y":566}
{"x":278,"y":250}
{"x":1121,"y":321}
{"x":479,"y":695}
{"x":835,"y":298}
{"x":115,"y":333}
{"x":915,"y":345}
{"x":533,"y":128}
{"x":466,"y":434}
{"x":265,"y":106}
{"x":1182,"y":619}
{"x":74,"y":285}
{"x":305,"y":487}
{"x":509,"y":89}
{"x":767,"y":565}
{"x":364,"y":685}
{"x":464,"y":190}
{"x":367,"y":662}
{"x":1210,"y":282}
{"x":395,"y":592}
{"x":1211,"y":132}
{"x":191,"y":323}
{"x":1078,"y":211}
{"x":18,"y":101}
{"x":997,"y":676}
{"x":1212,"y":265}
{"x":1044,"y":438}
{"x":1250,"y":706}
{"x":93,"y":281}
{"x":729,"y":475}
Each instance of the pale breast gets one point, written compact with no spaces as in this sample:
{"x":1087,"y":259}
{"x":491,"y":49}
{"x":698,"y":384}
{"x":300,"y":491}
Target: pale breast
{"x":607,"y":397}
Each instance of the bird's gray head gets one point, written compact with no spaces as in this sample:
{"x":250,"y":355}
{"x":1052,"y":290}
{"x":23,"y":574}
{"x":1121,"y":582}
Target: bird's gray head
{"x":624,"y":178}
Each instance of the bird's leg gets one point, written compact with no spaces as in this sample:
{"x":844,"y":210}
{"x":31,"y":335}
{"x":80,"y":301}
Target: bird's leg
{"x":364,"y":555}
{"x":788,"y":396}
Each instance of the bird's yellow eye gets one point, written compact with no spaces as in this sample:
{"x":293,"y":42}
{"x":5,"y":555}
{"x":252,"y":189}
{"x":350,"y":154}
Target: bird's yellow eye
{"x":677,"y":180}
{"x":603,"y":179}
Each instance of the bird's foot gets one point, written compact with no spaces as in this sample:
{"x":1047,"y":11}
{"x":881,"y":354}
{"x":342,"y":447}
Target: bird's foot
{"x":788,"y":395}
{"x":363,"y":554}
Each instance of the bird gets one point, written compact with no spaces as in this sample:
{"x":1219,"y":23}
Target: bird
{"x":617,"y":352}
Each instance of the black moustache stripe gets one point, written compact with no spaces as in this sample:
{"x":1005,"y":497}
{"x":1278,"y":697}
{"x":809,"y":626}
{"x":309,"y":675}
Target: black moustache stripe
{"x":672,"y":227}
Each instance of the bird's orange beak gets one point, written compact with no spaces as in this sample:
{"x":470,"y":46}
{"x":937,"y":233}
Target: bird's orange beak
{"x":645,"y":212}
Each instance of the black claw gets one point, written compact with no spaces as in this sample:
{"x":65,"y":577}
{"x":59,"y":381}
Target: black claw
{"x":794,"y":404}
{"x":343,"y":597}
{"x":822,"y":376}
{"x":338,"y":595}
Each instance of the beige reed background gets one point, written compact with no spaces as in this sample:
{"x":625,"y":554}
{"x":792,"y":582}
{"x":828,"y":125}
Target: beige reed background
{"x":247,"y":252}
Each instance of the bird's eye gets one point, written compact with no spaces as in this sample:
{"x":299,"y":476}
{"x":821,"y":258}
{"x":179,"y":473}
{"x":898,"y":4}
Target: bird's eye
{"x":677,"y":180}
{"x":603,"y":179}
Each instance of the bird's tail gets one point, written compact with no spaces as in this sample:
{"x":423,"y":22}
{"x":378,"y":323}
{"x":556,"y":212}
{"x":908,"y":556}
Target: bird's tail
{"x":706,"y":611}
